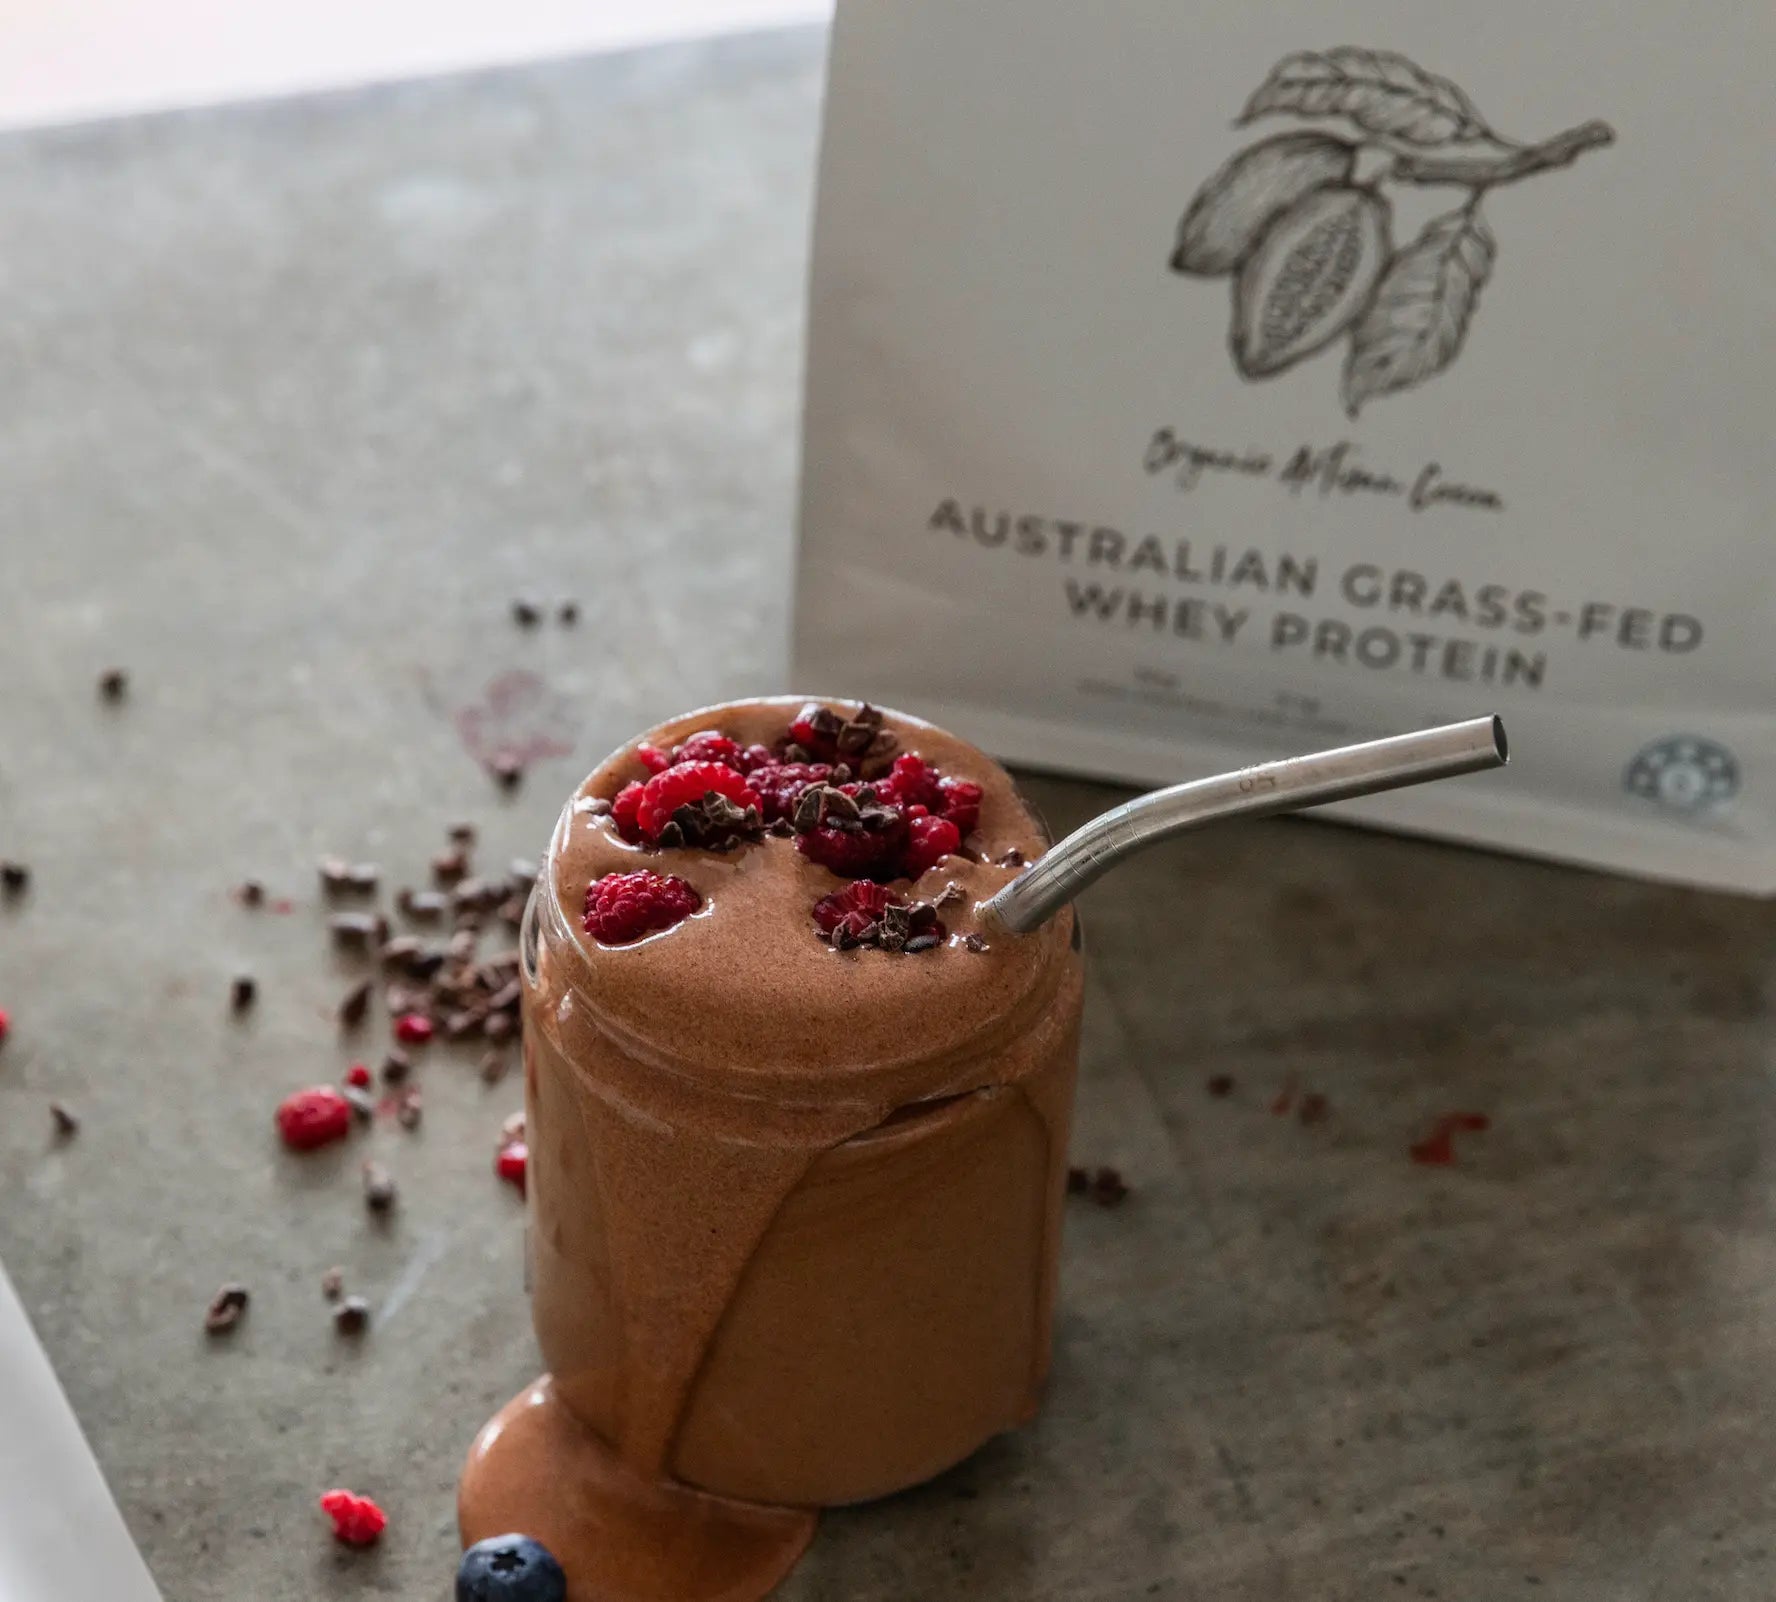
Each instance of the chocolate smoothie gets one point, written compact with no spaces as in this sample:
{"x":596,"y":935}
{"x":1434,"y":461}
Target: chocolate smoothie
{"x":798,"y":1146}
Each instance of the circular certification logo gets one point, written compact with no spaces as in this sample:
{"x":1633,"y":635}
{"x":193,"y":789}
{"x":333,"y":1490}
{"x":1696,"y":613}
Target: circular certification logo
{"x":1684,"y":773}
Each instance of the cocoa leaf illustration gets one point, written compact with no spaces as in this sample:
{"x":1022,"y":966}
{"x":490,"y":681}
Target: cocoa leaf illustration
{"x":1380,"y":91}
{"x":1416,"y":322}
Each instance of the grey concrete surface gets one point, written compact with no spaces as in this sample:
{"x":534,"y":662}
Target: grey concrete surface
{"x":296,"y":399}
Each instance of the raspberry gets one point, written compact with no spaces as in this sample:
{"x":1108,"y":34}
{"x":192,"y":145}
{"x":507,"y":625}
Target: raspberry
{"x":512,"y":1163}
{"x":358,"y":1075}
{"x":653,"y":758}
{"x":686,"y":785}
{"x":711,"y":747}
{"x":622,"y":907}
{"x":779,"y":784}
{"x":755,"y":757}
{"x":912,"y":781}
{"x":867,"y":914}
{"x":929,"y":841}
{"x":624,"y":810}
{"x":313,"y":1117}
{"x":413,"y":1029}
{"x":357,"y":1521}
{"x":857,"y":906}
{"x":856,"y":853}
{"x":961,"y":803}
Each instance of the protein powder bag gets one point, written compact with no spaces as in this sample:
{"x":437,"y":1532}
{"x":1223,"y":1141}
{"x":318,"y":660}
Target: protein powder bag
{"x":1191,"y":384}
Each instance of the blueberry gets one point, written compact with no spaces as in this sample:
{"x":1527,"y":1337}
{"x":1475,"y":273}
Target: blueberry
{"x":510,"y":1568}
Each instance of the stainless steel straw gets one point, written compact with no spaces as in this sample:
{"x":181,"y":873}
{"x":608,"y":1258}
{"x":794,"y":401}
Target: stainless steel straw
{"x":1037,"y":894}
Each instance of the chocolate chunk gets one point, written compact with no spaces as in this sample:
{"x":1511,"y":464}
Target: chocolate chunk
{"x":407,"y":1110}
{"x":526,"y":614}
{"x":352,"y":1316}
{"x":478,"y":893}
{"x":379,"y":1188}
{"x":422,"y":906}
{"x":922,"y":942}
{"x":1315,"y":1109}
{"x":511,"y":912}
{"x":512,"y":1128}
{"x":507,"y":995}
{"x":449,"y":866}
{"x":402,"y":997}
{"x":1107,"y":1188}
{"x":461,"y":945}
{"x":428,"y":962}
{"x":497,"y":1026}
{"x":114,"y":684}
{"x":396,"y":1066}
{"x":66,"y":1124}
{"x":522,"y":873}
{"x":335,"y":874}
{"x":508,"y":769}
{"x":460,"y":1025}
{"x":493,"y":1067}
{"x":14,"y":877}
{"x":808,"y":807}
{"x":400,"y":953}
{"x":1078,"y":1181}
{"x":714,"y":823}
{"x":462,"y":834}
{"x":894,"y":928}
{"x":568,"y":613}
{"x":249,"y":893}
{"x":364,"y":877}
{"x":354,"y":929}
{"x":226,"y":1309}
{"x":951,"y":895}
{"x":332,"y":1283}
{"x":356,"y":1005}
{"x":782,"y":828}
{"x":1220,"y":1085}
{"x":362,"y":1103}
{"x":242,"y":992}
{"x":974,"y":942}
{"x":1013,"y":858}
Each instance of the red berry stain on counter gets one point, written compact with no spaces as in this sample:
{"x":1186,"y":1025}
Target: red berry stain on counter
{"x":313,"y":1117}
{"x":1437,"y":1149}
{"x":357,"y":1521}
{"x":517,"y":718}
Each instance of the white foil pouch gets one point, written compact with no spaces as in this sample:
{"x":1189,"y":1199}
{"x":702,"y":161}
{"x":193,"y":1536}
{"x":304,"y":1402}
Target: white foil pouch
{"x":1189,"y":385}
{"x":61,"y":1536}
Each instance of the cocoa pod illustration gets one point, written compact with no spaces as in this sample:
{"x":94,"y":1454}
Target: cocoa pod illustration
{"x":1232,"y":210}
{"x":1310,"y":278}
